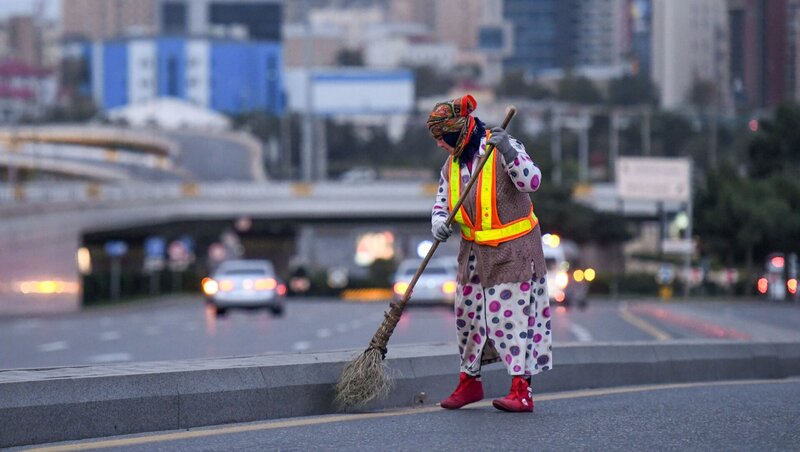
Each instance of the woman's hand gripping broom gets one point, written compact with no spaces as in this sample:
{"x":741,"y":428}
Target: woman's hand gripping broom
{"x":366,"y":377}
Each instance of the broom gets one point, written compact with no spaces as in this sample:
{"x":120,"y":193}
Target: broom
{"x":366,"y":377}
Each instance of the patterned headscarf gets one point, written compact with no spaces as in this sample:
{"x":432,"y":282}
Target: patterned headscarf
{"x":454,"y":116}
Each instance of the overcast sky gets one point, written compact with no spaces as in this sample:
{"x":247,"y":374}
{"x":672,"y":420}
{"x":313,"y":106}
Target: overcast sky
{"x":11,"y":7}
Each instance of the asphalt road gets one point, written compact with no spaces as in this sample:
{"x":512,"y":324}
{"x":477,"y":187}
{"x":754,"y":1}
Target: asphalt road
{"x":743,"y":415}
{"x":183,"y":328}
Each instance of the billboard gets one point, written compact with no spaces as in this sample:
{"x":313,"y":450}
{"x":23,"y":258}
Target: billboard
{"x":353,"y":91}
{"x":653,"y":178}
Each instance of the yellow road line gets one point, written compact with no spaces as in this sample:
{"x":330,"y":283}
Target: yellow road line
{"x":303,"y":422}
{"x":643,"y":325}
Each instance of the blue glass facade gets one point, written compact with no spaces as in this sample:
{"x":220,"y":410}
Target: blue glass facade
{"x":246,"y":77}
{"x":542,"y":31}
{"x":115,"y":74}
{"x":243,"y":76}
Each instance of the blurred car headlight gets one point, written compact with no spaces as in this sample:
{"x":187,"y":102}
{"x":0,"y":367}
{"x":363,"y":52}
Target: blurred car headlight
{"x":449,"y":287}
{"x":562,"y":279}
{"x":210,"y":287}
{"x":226,"y":285}
{"x":400,"y":288}
{"x":589,"y":274}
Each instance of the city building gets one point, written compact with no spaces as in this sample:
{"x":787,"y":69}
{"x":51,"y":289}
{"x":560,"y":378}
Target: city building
{"x":225,"y":75}
{"x":690,"y":45}
{"x":458,"y":22}
{"x":398,"y":45}
{"x":549,"y":34}
{"x":326,"y":43}
{"x":26,"y":92}
{"x":253,"y":19}
{"x":764,"y":51}
{"x":414,"y":11}
{"x":25,"y":40}
{"x":637,"y":35}
{"x":106,"y":19}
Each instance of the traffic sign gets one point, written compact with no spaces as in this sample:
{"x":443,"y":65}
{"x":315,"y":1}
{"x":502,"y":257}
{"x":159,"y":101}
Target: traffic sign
{"x":665,"y":275}
{"x":154,"y":246}
{"x":116,"y":248}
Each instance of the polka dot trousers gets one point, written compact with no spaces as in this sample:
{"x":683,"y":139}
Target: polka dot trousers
{"x":513,"y":318}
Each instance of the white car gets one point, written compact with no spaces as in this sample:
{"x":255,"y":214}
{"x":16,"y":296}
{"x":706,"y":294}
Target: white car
{"x":567,"y":282}
{"x":245,"y":284}
{"x":437,"y":283}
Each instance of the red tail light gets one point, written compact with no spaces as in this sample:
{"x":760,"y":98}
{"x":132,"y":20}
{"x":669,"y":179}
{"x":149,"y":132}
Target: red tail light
{"x":762,"y":285}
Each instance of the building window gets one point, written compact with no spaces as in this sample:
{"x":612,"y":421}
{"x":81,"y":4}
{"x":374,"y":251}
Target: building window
{"x":172,"y":76}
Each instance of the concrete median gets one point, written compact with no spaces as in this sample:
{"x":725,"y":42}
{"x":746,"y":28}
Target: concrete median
{"x":47,"y":405}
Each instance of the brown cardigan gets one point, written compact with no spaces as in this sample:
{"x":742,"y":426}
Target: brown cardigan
{"x":509,"y":262}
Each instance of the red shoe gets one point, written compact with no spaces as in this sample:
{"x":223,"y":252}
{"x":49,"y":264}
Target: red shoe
{"x":519,"y":400}
{"x":469,"y":390}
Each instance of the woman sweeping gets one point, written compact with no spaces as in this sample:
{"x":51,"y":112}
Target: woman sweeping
{"x":502,"y":306}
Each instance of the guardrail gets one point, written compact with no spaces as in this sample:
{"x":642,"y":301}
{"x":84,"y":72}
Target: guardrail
{"x":87,"y":192}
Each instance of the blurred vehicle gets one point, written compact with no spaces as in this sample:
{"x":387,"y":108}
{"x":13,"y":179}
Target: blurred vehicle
{"x":779,"y":280}
{"x":567,"y":281}
{"x":359,"y":174}
{"x":437,"y":283}
{"x":245,"y":284}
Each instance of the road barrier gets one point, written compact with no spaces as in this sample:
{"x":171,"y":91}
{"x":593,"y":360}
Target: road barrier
{"x":69,"y":403}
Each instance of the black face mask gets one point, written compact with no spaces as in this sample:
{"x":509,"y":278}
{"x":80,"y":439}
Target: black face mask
{"x":451,"y":138}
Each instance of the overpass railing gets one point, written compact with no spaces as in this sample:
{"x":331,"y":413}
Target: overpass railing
{"x":88,"y":192}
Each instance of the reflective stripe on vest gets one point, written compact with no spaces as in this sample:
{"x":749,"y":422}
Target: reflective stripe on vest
{"x":487,"y":229}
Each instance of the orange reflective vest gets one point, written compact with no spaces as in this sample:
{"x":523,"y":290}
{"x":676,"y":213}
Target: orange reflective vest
{"x":486,"y":229}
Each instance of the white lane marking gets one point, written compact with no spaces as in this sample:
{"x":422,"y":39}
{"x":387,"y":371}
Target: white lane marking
{"x":342,"y":327}
{"x":152,"y":330}
{"x":106,"y":336}
{"x":581,"y":333}
{"x":111,"y":357}
{"x":300,"y":346}
{"x":24,"y":325}
{"x":53,"y":346}
{"x":323,"y":333}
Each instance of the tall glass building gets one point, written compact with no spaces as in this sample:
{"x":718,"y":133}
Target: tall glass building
{"x":261,"y":19}
{"x":542,"y":34}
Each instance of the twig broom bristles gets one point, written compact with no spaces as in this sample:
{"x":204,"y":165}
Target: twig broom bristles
{"x":366,"y":377}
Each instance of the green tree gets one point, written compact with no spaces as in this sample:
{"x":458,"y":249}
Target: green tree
{"x":559,"y":214}
{"x":515,"y":84}
{"x":776,"y":146}
{"x":703,"y":94}
{"x":429,"y":82}
{"x":742,"y":220}
{"x":632,"y":90}
{"x":579,"y":89}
